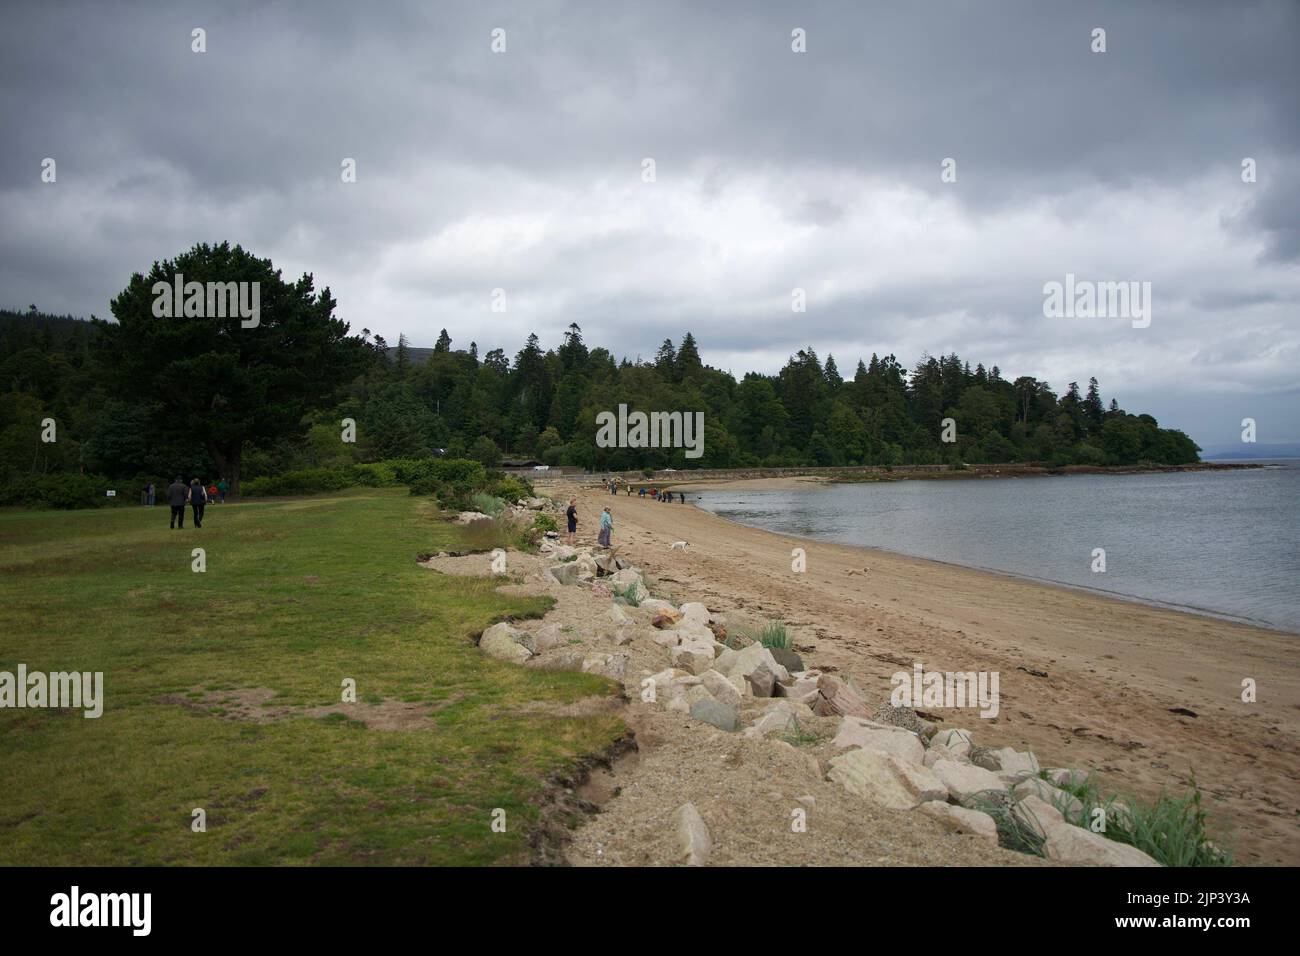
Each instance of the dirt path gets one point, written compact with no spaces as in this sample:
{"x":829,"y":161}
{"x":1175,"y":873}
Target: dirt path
{"x":1115,"y":670}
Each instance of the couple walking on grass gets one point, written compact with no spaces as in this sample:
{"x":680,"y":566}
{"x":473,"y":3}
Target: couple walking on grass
{"x":606,"y":524}
{"x":179,"y":495}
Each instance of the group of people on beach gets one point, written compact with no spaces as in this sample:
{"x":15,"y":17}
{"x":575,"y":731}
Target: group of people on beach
{"x":655,"y":493}
{"x":194,"y":494}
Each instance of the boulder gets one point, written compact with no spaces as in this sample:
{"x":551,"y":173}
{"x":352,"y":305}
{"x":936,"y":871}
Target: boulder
{"x":745,"y":662}
{"x":801,"y":689}
{"x":722,"y":689}
{"x":1065,"y":802}
{"x":619,"y":617}
{"x":570,"y":572}
{"x":964,"y":780}
{"x":1037,"y":815}
{"x":608,"y":665}
{"x":869,"y":735}
{"x":656,"y":606}
{"x":1076,"y":845}
{"x":717,"y":714}
{"x":956,"y":741}
{"x":835,"y":698}
{"x":904,"y":717}
{"x":468,"y":517}
{"x":666,"y":638}
{"x":885,"y":779}
{"x":761,"y":680}
{"x":693,"y":840}
{"x":962,"y":820}
{"x":776,"y":722}
{"x":695,"y":611}
{"x":787,"y":658}
{"x":505,"y":643}
{"x":1007,"y":759}
{"x":545,"y":638}
{"x":565,"y":659}
{"x":693,"y":656}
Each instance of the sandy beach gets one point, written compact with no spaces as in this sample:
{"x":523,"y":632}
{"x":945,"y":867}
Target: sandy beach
{"x":1086,"y":681}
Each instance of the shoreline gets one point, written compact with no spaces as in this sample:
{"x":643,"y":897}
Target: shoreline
{"x":1088,"y":679}
{"x":1015,"y":576}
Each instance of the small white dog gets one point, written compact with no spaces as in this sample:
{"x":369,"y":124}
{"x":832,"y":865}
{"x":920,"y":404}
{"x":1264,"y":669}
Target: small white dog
{"x":679,"y":546}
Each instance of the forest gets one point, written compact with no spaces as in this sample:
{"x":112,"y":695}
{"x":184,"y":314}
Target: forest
{"x":143,"y":397}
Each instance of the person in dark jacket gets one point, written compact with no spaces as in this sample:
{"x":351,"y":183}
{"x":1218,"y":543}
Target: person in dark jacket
{"x":198,"y":498}
{"x":177,"y":495}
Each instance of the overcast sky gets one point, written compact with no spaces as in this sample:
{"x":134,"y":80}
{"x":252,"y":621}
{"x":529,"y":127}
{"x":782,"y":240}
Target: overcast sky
{"x":774,"y":170}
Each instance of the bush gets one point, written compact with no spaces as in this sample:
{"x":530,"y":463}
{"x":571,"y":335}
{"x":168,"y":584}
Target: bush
{"x":544,"y":523}
{"x":305,"y":482}
{"x":774,"y":635}
{"x":65,"y":491}
{"x":510,"y":487}
{"x":487,"y":504}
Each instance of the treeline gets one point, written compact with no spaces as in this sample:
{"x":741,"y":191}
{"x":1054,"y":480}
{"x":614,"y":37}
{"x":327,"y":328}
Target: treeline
{"x":542,"y":403}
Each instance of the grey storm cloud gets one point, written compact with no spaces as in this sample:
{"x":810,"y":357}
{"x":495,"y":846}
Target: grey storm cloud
{"x":774,"y":171}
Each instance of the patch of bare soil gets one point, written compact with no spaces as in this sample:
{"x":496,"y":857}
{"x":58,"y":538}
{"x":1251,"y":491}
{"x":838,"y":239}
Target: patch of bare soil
{"x":253,"y":704}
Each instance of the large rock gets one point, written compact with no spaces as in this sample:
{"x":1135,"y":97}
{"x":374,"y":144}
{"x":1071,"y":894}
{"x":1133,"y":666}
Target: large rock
{"x":787,"y":658}
{"x":955,"y":740}
{"x":1071,"y":844}
{"x":1063,"y":801}
{"x":695,"y":611}
{"x":722,"y":688}
{"x":776,"y":722}
{"x":505,"y":643}
{"x":716,"y":713}
{"x":655,"y":606}
{"x":835,"y":698}
{"x":869,"y":735}
{"x":564,"y":659}
{"x":964,"y":780}
{"x":619,"y":617}
{"x":1037,"y":815}
{"x":607,"y":665}
{"x":962,"y":820}
{"x":469,"y":517}
{"x":628,"y":582}
{"x":575,"y":571}
{"x":743,"y":663}
{"x":1006,"y":759}
{"x":545,"y":638}
{"x":801,"y":689}
{"x":885,"y":779}
{"x":762,"y":680}
{"x":693,"y":841}
{"x":693,"y":656}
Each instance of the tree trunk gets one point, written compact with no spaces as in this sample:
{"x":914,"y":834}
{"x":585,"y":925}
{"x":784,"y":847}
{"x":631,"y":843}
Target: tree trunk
{"x":228,"y":460}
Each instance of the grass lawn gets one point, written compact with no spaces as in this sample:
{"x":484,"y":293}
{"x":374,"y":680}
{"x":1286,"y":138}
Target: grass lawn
{"x":298,"y":595}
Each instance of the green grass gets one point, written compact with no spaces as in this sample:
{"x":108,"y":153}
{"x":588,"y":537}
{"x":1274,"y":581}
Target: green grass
{"x":1171,"y":828}
{"x":627,"y":593}
{"x":773,"y":634}
{"x":298,"y":595}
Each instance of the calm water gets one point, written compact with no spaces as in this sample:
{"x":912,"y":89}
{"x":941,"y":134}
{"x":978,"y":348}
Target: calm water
{"x":1226,"y":543}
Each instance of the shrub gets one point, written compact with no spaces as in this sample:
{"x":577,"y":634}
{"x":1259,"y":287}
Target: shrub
{"x":544,"y":522}
{"x":65,"y":491}
{"x":510,"y":487}
{"x":487,"y":504}
{"x":627,"y":593}
{"x":1170,"y":829}
{"x":305,"y":482}
{"x":774,"y":634}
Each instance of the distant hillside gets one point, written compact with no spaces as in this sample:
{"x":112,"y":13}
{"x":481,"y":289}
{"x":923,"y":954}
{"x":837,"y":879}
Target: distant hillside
{"x":1255,"y":451}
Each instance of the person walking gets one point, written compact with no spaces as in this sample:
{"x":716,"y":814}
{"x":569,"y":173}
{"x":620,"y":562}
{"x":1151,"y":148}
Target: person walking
{"x":212,"y":493}
{"x":222,"y":487}
{"x":198,"y":498}
{"x":177,"y":495}
{"x":606,"y":528}
{"x":150,"y":494}
{"x":571,"y":515}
